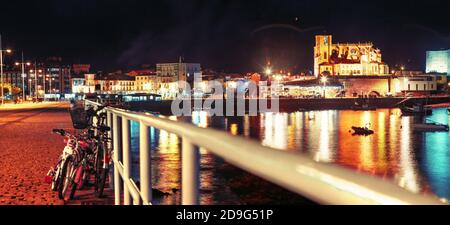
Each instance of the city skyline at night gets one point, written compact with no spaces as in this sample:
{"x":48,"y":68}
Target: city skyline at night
{"x":231,"y":36}
{"x":224,"y":111}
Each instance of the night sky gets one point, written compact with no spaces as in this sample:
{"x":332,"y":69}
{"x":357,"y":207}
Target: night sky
{"x":227,"y":35}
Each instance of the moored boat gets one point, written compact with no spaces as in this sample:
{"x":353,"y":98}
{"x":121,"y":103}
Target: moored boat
{"x":416,"y":110}
{"x":362,"y":131}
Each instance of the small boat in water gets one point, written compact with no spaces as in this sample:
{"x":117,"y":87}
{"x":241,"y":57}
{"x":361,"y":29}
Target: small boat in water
{"x":362,"y":131}
{"x":448,"y":110}
{"x":430,"y":126}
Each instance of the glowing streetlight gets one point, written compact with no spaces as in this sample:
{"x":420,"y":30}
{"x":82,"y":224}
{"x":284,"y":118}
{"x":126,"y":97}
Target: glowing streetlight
{"x":23,"y":64}
{"x":268,"y":71}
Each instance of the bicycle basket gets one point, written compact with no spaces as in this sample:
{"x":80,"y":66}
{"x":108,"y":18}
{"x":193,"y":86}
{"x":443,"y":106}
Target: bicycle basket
{"x":80,"y":118}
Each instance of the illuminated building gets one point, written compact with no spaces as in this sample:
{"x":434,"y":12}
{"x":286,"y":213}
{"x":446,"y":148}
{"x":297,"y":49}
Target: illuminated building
{"x":146,"y":82}
{"x":418,"y":83}
{"x":347,"y":58}
{"x":115,"y":83}
{"x":180,"y":71}
{"x":438,"y":62}
{"x":83,"y":84}
{"x":60,"y":75}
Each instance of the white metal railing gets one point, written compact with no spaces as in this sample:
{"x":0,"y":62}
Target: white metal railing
{"x":320,"y":182}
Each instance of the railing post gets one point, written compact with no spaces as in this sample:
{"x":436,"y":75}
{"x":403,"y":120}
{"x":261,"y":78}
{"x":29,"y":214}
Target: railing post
{"x":116,"y":158}
{"x":190,"y":174}
{"x":126,"y":159}
{"x":145,"y":164}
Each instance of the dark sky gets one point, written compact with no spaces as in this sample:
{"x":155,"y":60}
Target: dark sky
{"x":229,"y":35}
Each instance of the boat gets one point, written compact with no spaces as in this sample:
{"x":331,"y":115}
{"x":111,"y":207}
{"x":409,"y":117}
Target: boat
{"x":429,"y":125}
{"x":416,"y":109}
{"x":362,"y":131}
{"x":448,"y":110}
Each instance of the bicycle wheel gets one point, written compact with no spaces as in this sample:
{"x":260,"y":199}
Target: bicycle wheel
{"x":66,"y":180}
{"x":78,"y":180}
{"x":87,"y":171}
{"x":84,"y":180}
{"x":56,"y":178}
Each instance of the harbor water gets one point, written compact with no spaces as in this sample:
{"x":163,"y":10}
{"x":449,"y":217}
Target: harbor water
{"x":416,"y":161}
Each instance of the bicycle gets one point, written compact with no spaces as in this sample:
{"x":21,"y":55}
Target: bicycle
{"x":102,"y":154}
{"x":73,"y":154}
{"x":84,"y":154}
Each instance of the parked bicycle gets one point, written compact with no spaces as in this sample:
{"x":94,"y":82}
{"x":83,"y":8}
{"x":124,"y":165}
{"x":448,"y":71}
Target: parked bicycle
{"x":86,"y":153}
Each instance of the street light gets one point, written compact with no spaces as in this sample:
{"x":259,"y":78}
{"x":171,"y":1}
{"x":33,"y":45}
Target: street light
{"x":30,"y":86}
{"x":268,"y":71}
{"x":43,"y":80}
{"x":23,"y":64}
{"x":1,"y":67}
{"x":324,"y":81}
{"x":35,"y":79}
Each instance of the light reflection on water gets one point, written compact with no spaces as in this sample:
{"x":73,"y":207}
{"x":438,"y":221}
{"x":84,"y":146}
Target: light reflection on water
{"x":418,"y":162}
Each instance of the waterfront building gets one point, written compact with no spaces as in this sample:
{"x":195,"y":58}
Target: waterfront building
{"x":366,"y":86}
{"x":406,"y":72}
{"x":438,"y":62}
{"x":180,"y":71}
{"x":167,"y":86}
{"x":146,"y":83}
{"x":347,"y":58}
{"x":83,"y":84}
{"x":419,"y":84}
{"x":311,"y":88}
{"x":121,"y":84}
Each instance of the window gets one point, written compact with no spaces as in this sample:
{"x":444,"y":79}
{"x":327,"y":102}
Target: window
{"x":424,"y":87}
{"x":432,"y":86}
{"x":417,"y":87}
{"x":409,"y":87}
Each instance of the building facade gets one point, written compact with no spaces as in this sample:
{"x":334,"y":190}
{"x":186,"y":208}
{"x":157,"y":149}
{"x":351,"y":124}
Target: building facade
{"x":347,"y":58}
{"x":83,"y":84}
{"x":146,"y":83}
{"x":180,"y":71}
{"x":60,"y":74}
